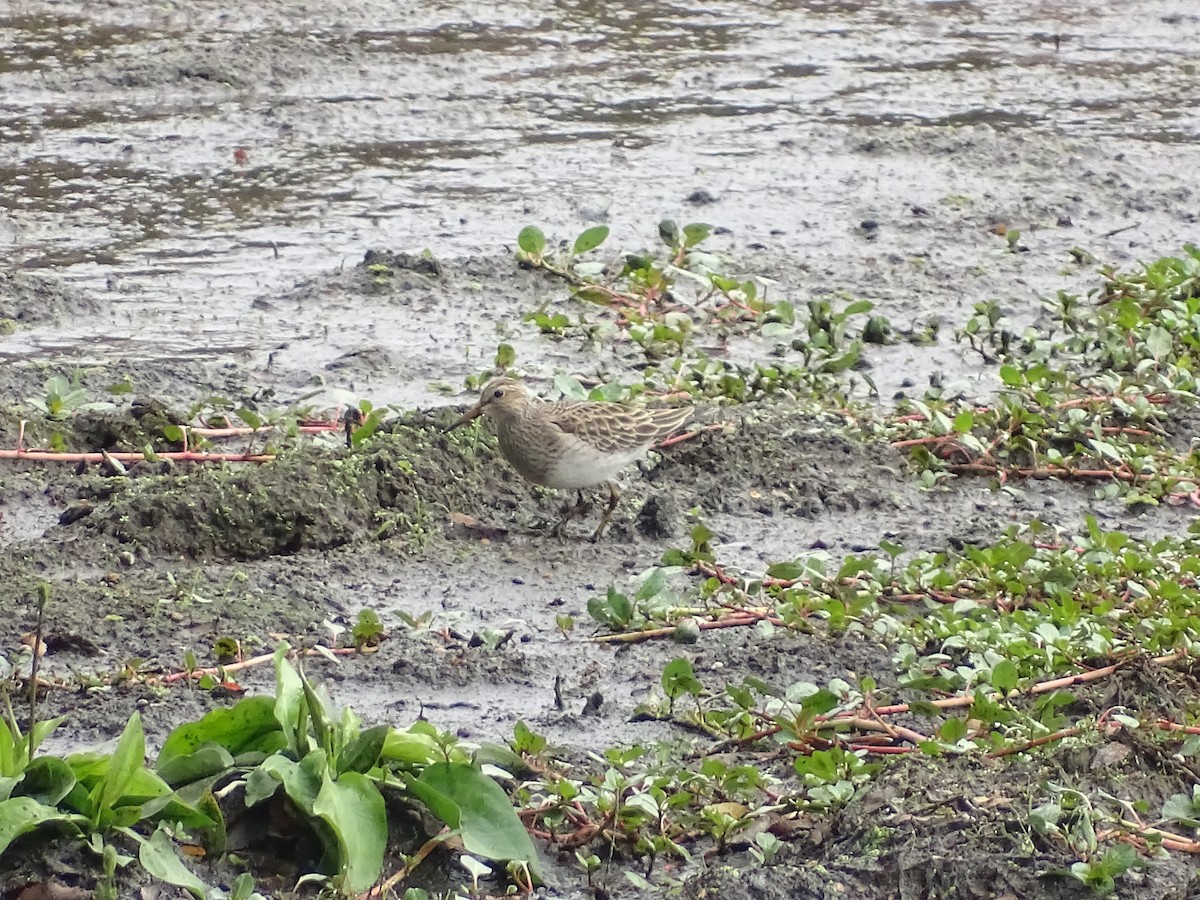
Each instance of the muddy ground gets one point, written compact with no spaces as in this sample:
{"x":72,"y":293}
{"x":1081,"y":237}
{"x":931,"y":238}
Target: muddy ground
{"x":189,"y":190}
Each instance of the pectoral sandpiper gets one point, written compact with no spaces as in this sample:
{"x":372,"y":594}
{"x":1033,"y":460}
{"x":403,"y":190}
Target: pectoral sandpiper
{"x":571,"y":444}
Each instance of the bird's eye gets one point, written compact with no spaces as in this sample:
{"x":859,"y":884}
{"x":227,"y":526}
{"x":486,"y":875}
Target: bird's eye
{"x":498,"y":393}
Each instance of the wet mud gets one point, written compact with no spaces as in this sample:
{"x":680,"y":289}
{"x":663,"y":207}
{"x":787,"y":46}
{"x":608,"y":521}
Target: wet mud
{"x":312,"y":206}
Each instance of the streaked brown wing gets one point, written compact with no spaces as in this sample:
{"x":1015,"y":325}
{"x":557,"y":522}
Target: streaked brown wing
{"x":613,"y":428}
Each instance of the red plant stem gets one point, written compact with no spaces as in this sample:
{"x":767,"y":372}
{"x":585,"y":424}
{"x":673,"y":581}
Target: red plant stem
{"x":218,"y":671}
{"x":180,"y":456}
{"x":688,"y":435}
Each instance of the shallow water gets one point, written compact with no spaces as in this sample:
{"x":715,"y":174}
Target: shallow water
{"x":181,"y":161}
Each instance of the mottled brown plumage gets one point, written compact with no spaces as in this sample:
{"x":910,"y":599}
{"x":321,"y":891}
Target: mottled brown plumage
{"x":571,"y":444}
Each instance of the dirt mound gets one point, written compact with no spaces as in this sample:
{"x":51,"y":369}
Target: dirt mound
{"x":781,"y":461}
{"x":324,"y":497}
{"x":30,"y":300}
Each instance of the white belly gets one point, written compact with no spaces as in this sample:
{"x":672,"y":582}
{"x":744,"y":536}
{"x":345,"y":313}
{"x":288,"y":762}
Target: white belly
{"x":581,"y":467}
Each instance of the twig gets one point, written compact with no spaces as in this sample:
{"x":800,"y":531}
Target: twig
{"x":218,"y":671}
{"x":733,"y":621}
{"x":1117,"y":231}
{"x":1036,"y":742}
{"x":35,"y":664}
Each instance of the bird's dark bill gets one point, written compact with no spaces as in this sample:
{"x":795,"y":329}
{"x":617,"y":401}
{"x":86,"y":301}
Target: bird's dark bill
{"x":471,"y":414}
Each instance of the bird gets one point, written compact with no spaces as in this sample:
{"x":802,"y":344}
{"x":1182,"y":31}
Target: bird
{"x":571,"y":444}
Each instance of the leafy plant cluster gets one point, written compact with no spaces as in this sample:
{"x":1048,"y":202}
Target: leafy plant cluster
{"x":981,"y":623}
{"x":1093,"y":397}
{"x":335,"y":777}
{"x":990,"y":647}
{"x":680,"y":303}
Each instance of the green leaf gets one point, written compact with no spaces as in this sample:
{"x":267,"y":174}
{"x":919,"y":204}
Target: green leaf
{"x":1011,"y":376}
{"x":467,"y":800}
{"x":235,"y":728}
{"x":857,"y":308}
{"x":362,"y":753}
{"x":209,"y":760}
{"x":1182,"y":809}
{"x":1159,"y":342}
{"x":570,"y":387}
{"x":669,"y":232}
{"x":695,"y":232}
{"x":410,"y":748}
{"x":1004,"y":676}
{"x":591,"y":239}
{"x":249,"y":416}
{"x":679,"y":678}
{"x":505,"y":356}
{"x":964,"y":422}
{"x":158,"y":857}
{"x":20,"y":815}
{"x":289,"y":700}
{"x":354,"y":809}
{"x":48,"y":779}
{"x":843,"y":362}
{"x":301,"y":780}
{"x":653,"y":585}
{"x":953,"y":730}
{"x":126,"y":760}
{"x":531,"y":240}
{"x":785,"y":571}
{"x":776,"y":329}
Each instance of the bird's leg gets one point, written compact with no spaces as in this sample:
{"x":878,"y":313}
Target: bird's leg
{"x":572,"y":511}
{"x":614,"y":497}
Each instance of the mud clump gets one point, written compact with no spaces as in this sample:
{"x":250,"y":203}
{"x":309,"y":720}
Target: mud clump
{"x":28,"y":300}
{"x":317,"y":498}
{"x":781,"y":461}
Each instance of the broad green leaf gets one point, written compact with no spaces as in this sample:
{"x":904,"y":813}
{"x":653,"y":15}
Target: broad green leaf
{"x":20,"y":815}
{"x":354,"y":810}
{"x":158,"y":857}
{"x":593,"y":294}
{"x":363,"y":752}
{"x":591,"y":239}
{"x":570,"y":387}
{"x":204,"y":762}
{"x":505,"y":356}
{"x":48,"y":779}
{"x":531,"y":240}
{"x":235,"y":728}
{"x":678,"y":678}
{"x":785,"y":571}
{"x":653,"y":585}
{"x":669,"y":232}
{"x":289,"y":702}
{"x":301,"y":780}
{"x":467,"y":800}
{"x":1004,"y":676}
{"x":126,"y":760}
{"x":1182,"y":809}
{"x":411,"y":748}
{"x":249,"y":416}
{"x":695,"y":232}
{"x":1159,"y":342}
